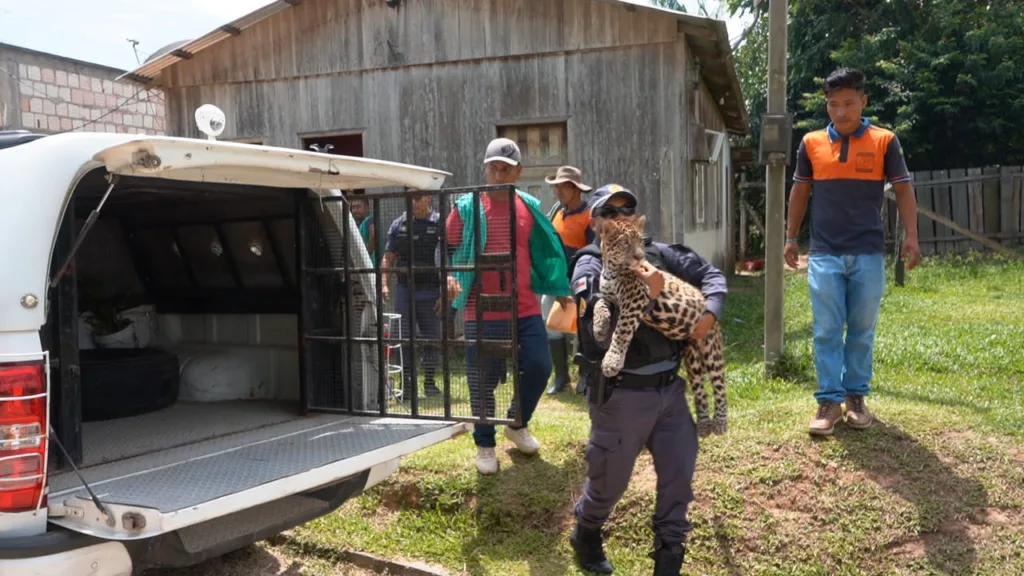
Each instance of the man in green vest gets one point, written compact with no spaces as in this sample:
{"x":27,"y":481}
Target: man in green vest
{"x":541,"y":269}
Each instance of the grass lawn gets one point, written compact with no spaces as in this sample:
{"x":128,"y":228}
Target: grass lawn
{"x":935,"y":487}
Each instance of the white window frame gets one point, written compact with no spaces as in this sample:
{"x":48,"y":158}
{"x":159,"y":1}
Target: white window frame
{"x":699,"y":192}
{"x":715,"y":150}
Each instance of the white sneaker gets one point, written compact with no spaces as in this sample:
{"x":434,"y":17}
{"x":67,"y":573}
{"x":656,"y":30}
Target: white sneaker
{"x":523,"y":440}
{"x":486,"y":461}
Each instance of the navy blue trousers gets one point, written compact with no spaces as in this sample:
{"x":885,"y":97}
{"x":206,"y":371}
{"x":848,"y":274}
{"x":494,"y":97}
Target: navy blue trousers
{"x":429,"y":324}
{"x":631,"y":419}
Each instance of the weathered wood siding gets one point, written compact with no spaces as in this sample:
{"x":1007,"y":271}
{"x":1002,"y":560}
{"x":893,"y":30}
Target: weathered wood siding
{"x":337,"y":36}
{"x":618,"y":106}
{"x":433,"y":82}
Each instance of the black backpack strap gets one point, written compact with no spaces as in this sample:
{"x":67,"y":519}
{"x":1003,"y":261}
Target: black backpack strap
{"x":588,"y":250}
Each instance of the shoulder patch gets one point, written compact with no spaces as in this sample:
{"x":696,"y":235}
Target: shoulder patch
{"x":582,"y":307}
{"x":580,"y":286}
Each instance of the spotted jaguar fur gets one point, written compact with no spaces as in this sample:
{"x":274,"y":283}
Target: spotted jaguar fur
{"x":675,"y":312}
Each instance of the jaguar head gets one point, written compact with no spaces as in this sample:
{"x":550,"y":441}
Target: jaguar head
{"x":622,"y":244}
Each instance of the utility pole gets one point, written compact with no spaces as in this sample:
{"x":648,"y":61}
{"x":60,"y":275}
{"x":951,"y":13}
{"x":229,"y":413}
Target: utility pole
{"x":775,"y":201}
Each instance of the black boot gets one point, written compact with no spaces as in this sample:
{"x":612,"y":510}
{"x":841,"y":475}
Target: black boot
{"x":668,"y":558}
{"x":560,"y":362}
{"x":589,"y":547}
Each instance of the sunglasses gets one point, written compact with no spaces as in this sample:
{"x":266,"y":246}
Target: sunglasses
{"x":610,"y":212}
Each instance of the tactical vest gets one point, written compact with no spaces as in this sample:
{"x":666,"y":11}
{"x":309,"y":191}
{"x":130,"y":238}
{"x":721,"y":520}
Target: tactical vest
{"x":647,"y":347}
{"x":425,"y":240}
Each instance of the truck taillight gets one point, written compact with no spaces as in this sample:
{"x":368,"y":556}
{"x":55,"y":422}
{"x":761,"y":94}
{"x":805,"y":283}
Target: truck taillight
{"x":23,"y":428}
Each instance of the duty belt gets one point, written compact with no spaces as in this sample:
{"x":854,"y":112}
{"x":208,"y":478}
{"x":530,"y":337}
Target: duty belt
{"x":660,"y":380}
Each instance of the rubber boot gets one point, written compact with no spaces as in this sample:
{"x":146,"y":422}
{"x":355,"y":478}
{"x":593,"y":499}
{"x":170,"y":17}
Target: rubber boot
{"x":589,"y":547}
{"x":668,"y":558}
{"x":559,"y":349}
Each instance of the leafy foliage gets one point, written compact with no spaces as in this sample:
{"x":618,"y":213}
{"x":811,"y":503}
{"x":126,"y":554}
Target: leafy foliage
{"x":670,"y":4}
{"x":940,"y":74}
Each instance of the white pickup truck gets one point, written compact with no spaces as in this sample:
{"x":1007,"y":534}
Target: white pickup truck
{"x":203,"y":434}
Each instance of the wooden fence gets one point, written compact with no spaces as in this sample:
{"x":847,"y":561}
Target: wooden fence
{"x":988,"y":202}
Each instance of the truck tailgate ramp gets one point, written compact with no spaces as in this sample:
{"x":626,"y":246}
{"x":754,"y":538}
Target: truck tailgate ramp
{"x":163,"y":492}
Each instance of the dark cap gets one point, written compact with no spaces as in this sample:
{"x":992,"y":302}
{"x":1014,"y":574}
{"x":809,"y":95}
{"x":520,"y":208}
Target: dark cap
{"x":503,"y":150}
{"x":568,"y":174}
{"x":605,"y":193}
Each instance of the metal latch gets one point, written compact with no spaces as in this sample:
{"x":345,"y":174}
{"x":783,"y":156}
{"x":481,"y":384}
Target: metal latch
{"x":64,"y":511}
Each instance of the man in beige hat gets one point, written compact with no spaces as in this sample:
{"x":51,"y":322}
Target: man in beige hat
{"x":571,"y":217}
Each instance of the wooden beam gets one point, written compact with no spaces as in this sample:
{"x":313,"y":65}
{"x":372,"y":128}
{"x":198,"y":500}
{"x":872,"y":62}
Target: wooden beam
{"x":951,"y":224}
{"x":697,"y":31}
{"x":755,"y":219}
{"x":963,"y":180}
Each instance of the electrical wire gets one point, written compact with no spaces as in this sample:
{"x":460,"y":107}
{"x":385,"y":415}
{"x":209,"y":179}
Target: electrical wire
{"x":151,"y":108}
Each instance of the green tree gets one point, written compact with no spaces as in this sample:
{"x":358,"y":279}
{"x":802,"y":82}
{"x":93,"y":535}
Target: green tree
{"x":670,"y":4}
{"x":702,"y":7}
{"x":940,"y":74}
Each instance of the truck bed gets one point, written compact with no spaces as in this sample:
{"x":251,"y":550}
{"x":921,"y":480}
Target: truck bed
{"x":192,"y":482}
{"x":182,"y":424}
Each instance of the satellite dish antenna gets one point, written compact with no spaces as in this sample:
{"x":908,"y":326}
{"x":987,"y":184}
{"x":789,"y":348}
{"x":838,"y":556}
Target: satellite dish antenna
{"x":210,"y":120}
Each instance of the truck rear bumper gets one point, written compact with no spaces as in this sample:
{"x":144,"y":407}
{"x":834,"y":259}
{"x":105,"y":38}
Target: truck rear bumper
{"x":63,"y":552}
{"x":68,"y":553}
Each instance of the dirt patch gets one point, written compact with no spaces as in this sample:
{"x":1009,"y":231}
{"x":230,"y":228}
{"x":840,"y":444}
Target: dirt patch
{"x":991,"y":517}
{"x":398,"y":495}
{"x":912,"y":549}
{"x":644,"y":476}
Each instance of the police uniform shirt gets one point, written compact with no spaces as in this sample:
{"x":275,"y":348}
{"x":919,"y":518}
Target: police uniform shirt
{"x":675,"y":259}
{"x":426,"y":238}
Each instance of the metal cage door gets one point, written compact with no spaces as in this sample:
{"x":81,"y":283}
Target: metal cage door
{"x":381,"y":334}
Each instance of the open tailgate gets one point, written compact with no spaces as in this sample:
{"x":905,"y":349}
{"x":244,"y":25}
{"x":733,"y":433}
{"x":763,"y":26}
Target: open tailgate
{"x":235,"y":163}
{"x":177,"y":488}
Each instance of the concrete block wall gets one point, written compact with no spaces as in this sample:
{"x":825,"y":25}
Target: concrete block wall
{"x":51,"y":94}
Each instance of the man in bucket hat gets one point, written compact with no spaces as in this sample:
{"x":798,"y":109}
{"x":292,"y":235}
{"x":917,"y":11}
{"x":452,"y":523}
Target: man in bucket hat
{"x":571,"y":217}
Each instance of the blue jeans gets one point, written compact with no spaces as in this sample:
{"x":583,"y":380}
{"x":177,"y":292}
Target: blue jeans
{"x":845,"y":290}
{"x":534,"y":371}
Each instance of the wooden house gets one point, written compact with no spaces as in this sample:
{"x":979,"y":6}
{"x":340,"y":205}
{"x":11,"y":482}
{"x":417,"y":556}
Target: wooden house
{"x":631,"y":94}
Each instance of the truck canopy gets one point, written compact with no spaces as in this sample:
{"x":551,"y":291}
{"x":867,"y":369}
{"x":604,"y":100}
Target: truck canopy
{"x":40,"y":176}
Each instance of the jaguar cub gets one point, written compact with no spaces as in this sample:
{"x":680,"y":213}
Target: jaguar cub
{"x":674,"y":313}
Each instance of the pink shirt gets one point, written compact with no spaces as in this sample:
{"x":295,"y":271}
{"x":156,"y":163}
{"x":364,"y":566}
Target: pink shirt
{"x":498,"y":238}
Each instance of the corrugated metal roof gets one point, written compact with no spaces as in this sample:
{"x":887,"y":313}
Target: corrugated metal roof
{"x":149,"y":71}
{"x":708,"y":39}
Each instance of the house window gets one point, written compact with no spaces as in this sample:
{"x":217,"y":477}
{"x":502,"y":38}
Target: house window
{"x":708,"y":190}
{"x":700,"y":188}
{"x":544,"y":149}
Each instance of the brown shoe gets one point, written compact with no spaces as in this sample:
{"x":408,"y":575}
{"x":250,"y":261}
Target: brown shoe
{"x":825,"y":419}
{"x":857,"y":414}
